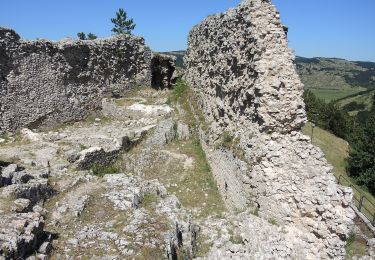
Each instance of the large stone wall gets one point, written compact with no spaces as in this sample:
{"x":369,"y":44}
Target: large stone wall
{"x":46,"y":83}
{"x":241,"y":70}
{"x":240,"y":62}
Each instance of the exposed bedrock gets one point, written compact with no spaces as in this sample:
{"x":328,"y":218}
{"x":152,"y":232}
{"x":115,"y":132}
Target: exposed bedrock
{"x":22,"y":219}
{"x":241,"y":70}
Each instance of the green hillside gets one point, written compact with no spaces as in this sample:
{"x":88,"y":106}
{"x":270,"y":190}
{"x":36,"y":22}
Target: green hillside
{"x":332,"y":79}
{"x":357,"y":104}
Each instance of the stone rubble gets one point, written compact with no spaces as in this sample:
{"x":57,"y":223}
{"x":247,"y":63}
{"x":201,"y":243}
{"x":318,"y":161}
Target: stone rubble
{"x":63,"y":159}
{"x":21,"y":222}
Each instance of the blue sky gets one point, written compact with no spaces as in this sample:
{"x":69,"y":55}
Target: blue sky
{"x":327,"y":28}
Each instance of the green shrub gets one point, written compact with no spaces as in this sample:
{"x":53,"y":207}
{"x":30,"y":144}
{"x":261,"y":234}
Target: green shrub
{"x":101,"y":170}
{"x":272,"y":221}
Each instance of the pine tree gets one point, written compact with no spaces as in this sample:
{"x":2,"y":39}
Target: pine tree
{"x":81,"y":36}
{"x":121,"y":24}
{"x":91,"y":36}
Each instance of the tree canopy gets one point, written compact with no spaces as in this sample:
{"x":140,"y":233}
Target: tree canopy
{"x":81,"y":36}
{"x":359,"y":131}
{"x":122,"y":25}
{"x":91,"y":36}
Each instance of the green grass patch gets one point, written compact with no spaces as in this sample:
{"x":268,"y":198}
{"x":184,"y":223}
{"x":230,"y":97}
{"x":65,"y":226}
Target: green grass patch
{"x":149,"y":201}
{"x":227,"y":139}
{"x":93,"y":119}
{"x":356,"y":103}
{"x":83,"y":147}
{"x":197,"y":187}
{"x":101,"y":170}
{"x":13,"y":138}
{"x":255,"y":212}
{"x":334,"y":94}
{"x":355,"y":247}
{"x":232,"y":143}
{"x":272,"y":221}
{"x":235,"y":238}
{"x":203,"y":248}
{"x":179,"y":90}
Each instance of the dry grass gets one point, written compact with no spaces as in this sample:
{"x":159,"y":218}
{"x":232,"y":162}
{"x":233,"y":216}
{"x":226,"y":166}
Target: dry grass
{"x":197,"y":188}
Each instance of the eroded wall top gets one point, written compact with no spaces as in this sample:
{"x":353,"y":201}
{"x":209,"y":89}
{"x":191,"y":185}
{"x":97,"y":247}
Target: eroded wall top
{"x":45,"y":83}
{"x":240,"y":65}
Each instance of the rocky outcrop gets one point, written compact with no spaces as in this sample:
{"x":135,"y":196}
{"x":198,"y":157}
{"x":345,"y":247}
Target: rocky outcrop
{"x":20,"y":234}
{"x":241,"y":70}
{"x":44,"y":82}
{"x":22,"y":221}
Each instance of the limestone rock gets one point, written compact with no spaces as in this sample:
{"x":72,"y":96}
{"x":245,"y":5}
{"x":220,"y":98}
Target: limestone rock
{"x":20,"y":234}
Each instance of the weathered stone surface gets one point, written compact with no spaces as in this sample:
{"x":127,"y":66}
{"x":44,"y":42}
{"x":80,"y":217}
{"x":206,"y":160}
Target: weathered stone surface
{"x":20,"y":234}
{"x":241,"y":70}
{"x":240,"y":66}
{"x":130,"y":192}
{"x":44,"y":82}
{"x":22,"y":205}
{"x":95,"y":156}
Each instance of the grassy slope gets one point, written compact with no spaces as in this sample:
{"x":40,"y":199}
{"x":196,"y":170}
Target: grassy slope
{"x":350,"y":83}
{"x":334,"y":94}
{"x":336,"y":151}
{"x":356,"y":103}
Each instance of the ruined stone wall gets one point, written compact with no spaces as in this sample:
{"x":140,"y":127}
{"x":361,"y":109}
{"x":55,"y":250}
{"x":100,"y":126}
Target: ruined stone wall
{"x":45,"y":83}
{"x":241,"y":64}
{"x":241,"y":70}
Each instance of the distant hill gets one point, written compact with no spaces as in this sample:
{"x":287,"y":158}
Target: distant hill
{"x":334,"y":73}
{"x":332,"y":79}
{"x":179,"y":55}
{"x":351,"y":83}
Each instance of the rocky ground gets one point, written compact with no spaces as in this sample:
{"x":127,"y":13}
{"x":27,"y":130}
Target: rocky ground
{"x":129,"y":182}
{"x":109,"y":187}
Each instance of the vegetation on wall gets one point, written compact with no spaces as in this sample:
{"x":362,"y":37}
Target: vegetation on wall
{"x":90,"y":36}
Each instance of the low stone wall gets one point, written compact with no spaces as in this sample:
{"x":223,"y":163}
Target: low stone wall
{"x":241,"y":70}
{"x":43,"y":83}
